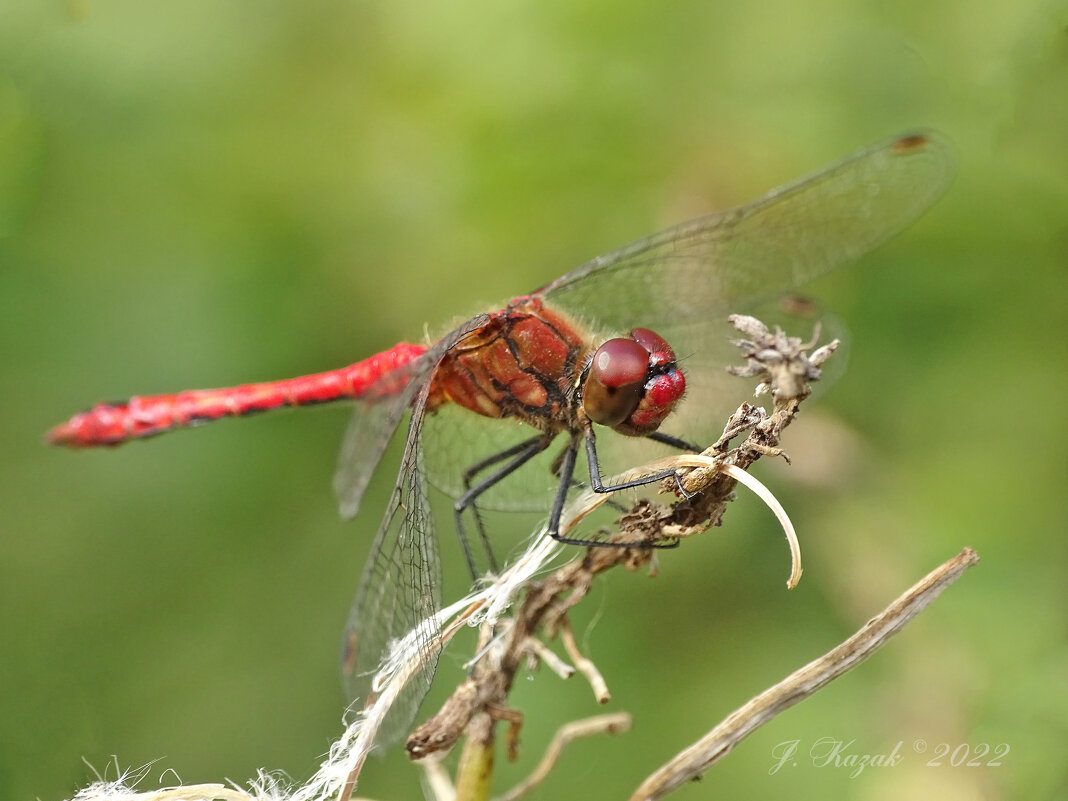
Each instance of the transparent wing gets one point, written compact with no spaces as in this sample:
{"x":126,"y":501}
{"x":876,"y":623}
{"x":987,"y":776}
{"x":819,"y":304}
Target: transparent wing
{"x":456,"y":439}
{"x":791,"y":236}
{"x":401,"y":581}
{"x":684,"y":281}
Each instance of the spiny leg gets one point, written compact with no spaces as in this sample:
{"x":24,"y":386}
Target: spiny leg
{"x":674,"y":442}
{"x":517,"y":456}
{"x":567,"y":470}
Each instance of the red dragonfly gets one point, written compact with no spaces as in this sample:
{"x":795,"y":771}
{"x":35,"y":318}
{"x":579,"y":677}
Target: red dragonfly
{"x":553,"y":364}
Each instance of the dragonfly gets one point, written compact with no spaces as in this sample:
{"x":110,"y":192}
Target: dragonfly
{"x":624,"y":342}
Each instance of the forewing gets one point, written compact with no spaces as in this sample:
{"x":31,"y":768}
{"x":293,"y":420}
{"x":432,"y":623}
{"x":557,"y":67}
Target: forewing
{"x":791,"y":236}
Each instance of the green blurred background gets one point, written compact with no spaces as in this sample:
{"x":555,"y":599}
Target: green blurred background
{"x":205,"y":193}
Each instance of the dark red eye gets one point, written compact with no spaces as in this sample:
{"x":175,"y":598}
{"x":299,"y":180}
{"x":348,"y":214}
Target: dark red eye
{"x":615,"y":382}
{"x":651,"y":341}
{"x":620,"y":361}
{"x":660,"y":352}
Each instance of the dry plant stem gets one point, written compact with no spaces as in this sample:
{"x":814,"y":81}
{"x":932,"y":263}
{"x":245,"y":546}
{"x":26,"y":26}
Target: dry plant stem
{"x":583,"y":665}
{"x":489,"y":684}
{"x":474,"y":775}
{"x":547,"y":657}
{"x":802,"y":683}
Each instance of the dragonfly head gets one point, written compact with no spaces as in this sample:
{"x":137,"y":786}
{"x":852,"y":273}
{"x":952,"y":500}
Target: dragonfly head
{"x":633,"y":383}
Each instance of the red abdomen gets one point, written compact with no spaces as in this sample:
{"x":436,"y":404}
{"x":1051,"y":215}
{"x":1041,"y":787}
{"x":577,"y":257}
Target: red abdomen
{"x":144,"y":416}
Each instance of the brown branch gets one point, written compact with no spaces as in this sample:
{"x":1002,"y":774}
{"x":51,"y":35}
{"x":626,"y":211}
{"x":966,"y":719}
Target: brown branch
{"x":800,"y":684}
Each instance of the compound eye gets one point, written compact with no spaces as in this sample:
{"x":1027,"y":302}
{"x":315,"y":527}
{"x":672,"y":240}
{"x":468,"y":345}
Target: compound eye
{"x":651,"y":341}
{"x":615,"y":382}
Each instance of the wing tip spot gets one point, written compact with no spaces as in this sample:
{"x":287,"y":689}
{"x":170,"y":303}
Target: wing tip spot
{"x":911,"y":143}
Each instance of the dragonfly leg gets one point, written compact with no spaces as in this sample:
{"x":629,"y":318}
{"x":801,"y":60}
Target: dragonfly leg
{"x":595,"y":471}
{"x":680,"y":444}
{"x":674,"y":442}
{"x":500,"y":456}
{"x":575,"y":484}
{"x":516,"y":456}
{"x":567,"y":470}
{"x":578,"y":485}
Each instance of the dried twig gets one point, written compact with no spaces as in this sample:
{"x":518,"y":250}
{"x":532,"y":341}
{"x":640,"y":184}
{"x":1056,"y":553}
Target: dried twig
{"x":547,"y":657}
{"x":583,"y":664}
{"x":802,"y":683}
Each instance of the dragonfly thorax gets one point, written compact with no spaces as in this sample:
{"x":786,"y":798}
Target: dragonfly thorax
{"x":522,"y":363}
